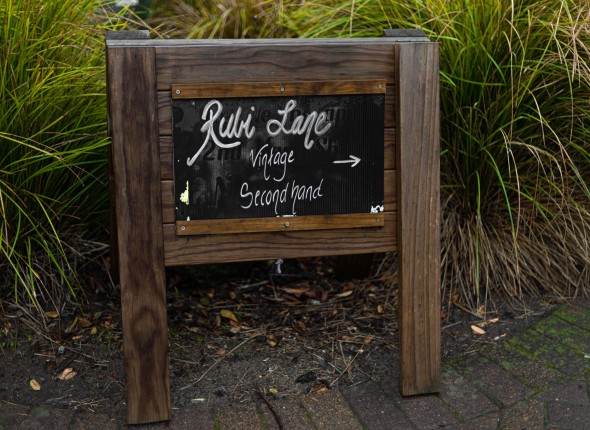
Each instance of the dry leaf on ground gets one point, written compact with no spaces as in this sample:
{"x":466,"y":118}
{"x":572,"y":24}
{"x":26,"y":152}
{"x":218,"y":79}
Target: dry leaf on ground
{"x":68,"y":373}
{"x":229,"y":315}
{"x":345,"y":294}
{"x":35,"y":385}
{"x":477,"y":329}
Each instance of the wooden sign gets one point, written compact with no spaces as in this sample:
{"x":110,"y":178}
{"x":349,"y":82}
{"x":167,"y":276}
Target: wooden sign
{"x":244,"y":150}
{"x":300,"y":161}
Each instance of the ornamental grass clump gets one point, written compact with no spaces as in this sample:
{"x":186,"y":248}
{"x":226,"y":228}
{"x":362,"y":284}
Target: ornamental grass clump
{"x":515,"y":132}
{"x":212,"y":19}
{"x":53,"y":144}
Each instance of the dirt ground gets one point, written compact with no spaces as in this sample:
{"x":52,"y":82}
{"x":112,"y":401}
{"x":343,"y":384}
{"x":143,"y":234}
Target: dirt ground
{"x":238,"y":332}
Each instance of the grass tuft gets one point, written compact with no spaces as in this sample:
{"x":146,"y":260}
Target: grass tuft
{"x":53,"y":139}
{"x":515,"y":85}
{"x":213,"y":19}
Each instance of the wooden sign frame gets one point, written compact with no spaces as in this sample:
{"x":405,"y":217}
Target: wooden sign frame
{"x":141,"y":73}
{"x":266,"y":91}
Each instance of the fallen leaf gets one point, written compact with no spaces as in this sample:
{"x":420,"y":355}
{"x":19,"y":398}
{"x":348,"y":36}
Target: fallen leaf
{"x":273,"y":391}
{"x":221,"y":351}
{"x":320,"y":389}
{"x":345,"y":294}
{"x":477,"y":329}
{"x":493,"y":320}
{"x":300,"y":326}
{"x":52,"y":314}
{"x":297,"y":292}
{"x":379,"y":309}
{"x":481,"y":310}
{"x":229,"y":315}
{"x":84,"y":322}
{"x":35,"y":385}
{"x":272,"y":340}
{"x":68,"y":373}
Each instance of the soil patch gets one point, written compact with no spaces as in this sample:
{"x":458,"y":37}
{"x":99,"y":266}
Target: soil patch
{"x":238,"y":333}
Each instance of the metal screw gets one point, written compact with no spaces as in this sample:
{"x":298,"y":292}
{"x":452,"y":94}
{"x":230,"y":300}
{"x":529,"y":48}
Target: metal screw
{"x":177,"y":91}
{"x":379,"y":86}
{"x":183,"y":228}
{"x":282,"y":89}
{"x":287,"y":224}
{"x":378,"y":220}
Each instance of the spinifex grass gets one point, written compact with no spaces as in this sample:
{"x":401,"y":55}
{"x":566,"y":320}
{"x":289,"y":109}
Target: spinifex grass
{"x":515,"y":129}
{"x":53,"y":142}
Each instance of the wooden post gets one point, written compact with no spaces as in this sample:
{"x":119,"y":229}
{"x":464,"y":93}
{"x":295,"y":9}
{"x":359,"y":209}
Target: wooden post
{"x":138,"y":217}
{"x":418,"y":154}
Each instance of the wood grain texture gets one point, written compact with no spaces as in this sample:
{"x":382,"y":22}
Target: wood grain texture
{"x":253,"y":225}
{"x":286,"y":62}
{"x":418,"y":149}
{"x":114,"y":247}
{"x":227,"y":248}
{"x":165,"y":110}
{"x":277,"y":89}
{"x":326,"y":43}
{"x":136,"y":164}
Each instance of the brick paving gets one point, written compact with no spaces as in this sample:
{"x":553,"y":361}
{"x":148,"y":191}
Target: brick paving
{"x":537,"y":379}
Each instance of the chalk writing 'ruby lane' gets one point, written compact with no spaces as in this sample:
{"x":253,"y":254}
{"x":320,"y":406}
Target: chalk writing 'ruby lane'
{"x":234,"y":127}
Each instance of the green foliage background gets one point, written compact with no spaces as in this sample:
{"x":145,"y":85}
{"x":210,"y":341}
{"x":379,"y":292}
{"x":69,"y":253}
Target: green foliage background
{"x":515,"y":91}
{"x":515,"y":106}
{"x":53,"y":143}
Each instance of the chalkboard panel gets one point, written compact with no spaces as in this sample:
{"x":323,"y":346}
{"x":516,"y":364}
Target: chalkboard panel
{"x":278,"y":156}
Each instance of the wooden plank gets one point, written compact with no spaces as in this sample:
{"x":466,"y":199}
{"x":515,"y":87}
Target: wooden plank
{"x":166,"y":153}
{"x":165,"y":110}
{"x":415,"y":33}
{"x":417,"y":111}
{"x":111,"y":35}
{"x":281,"y":62}
{"x":277,"y":89}
{"x":168,"y":212}
{"x":180,"y":250}
{"x":114,"y":251}
{"x":253,"y":225}
{"x":326,"y":43}
{"x":136,"y":164}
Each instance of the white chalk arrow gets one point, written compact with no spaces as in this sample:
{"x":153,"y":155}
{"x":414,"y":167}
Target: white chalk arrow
{"x":354,"y":160}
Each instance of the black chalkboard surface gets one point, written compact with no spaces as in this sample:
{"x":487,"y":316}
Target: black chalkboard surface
{"x":280,"y":156}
